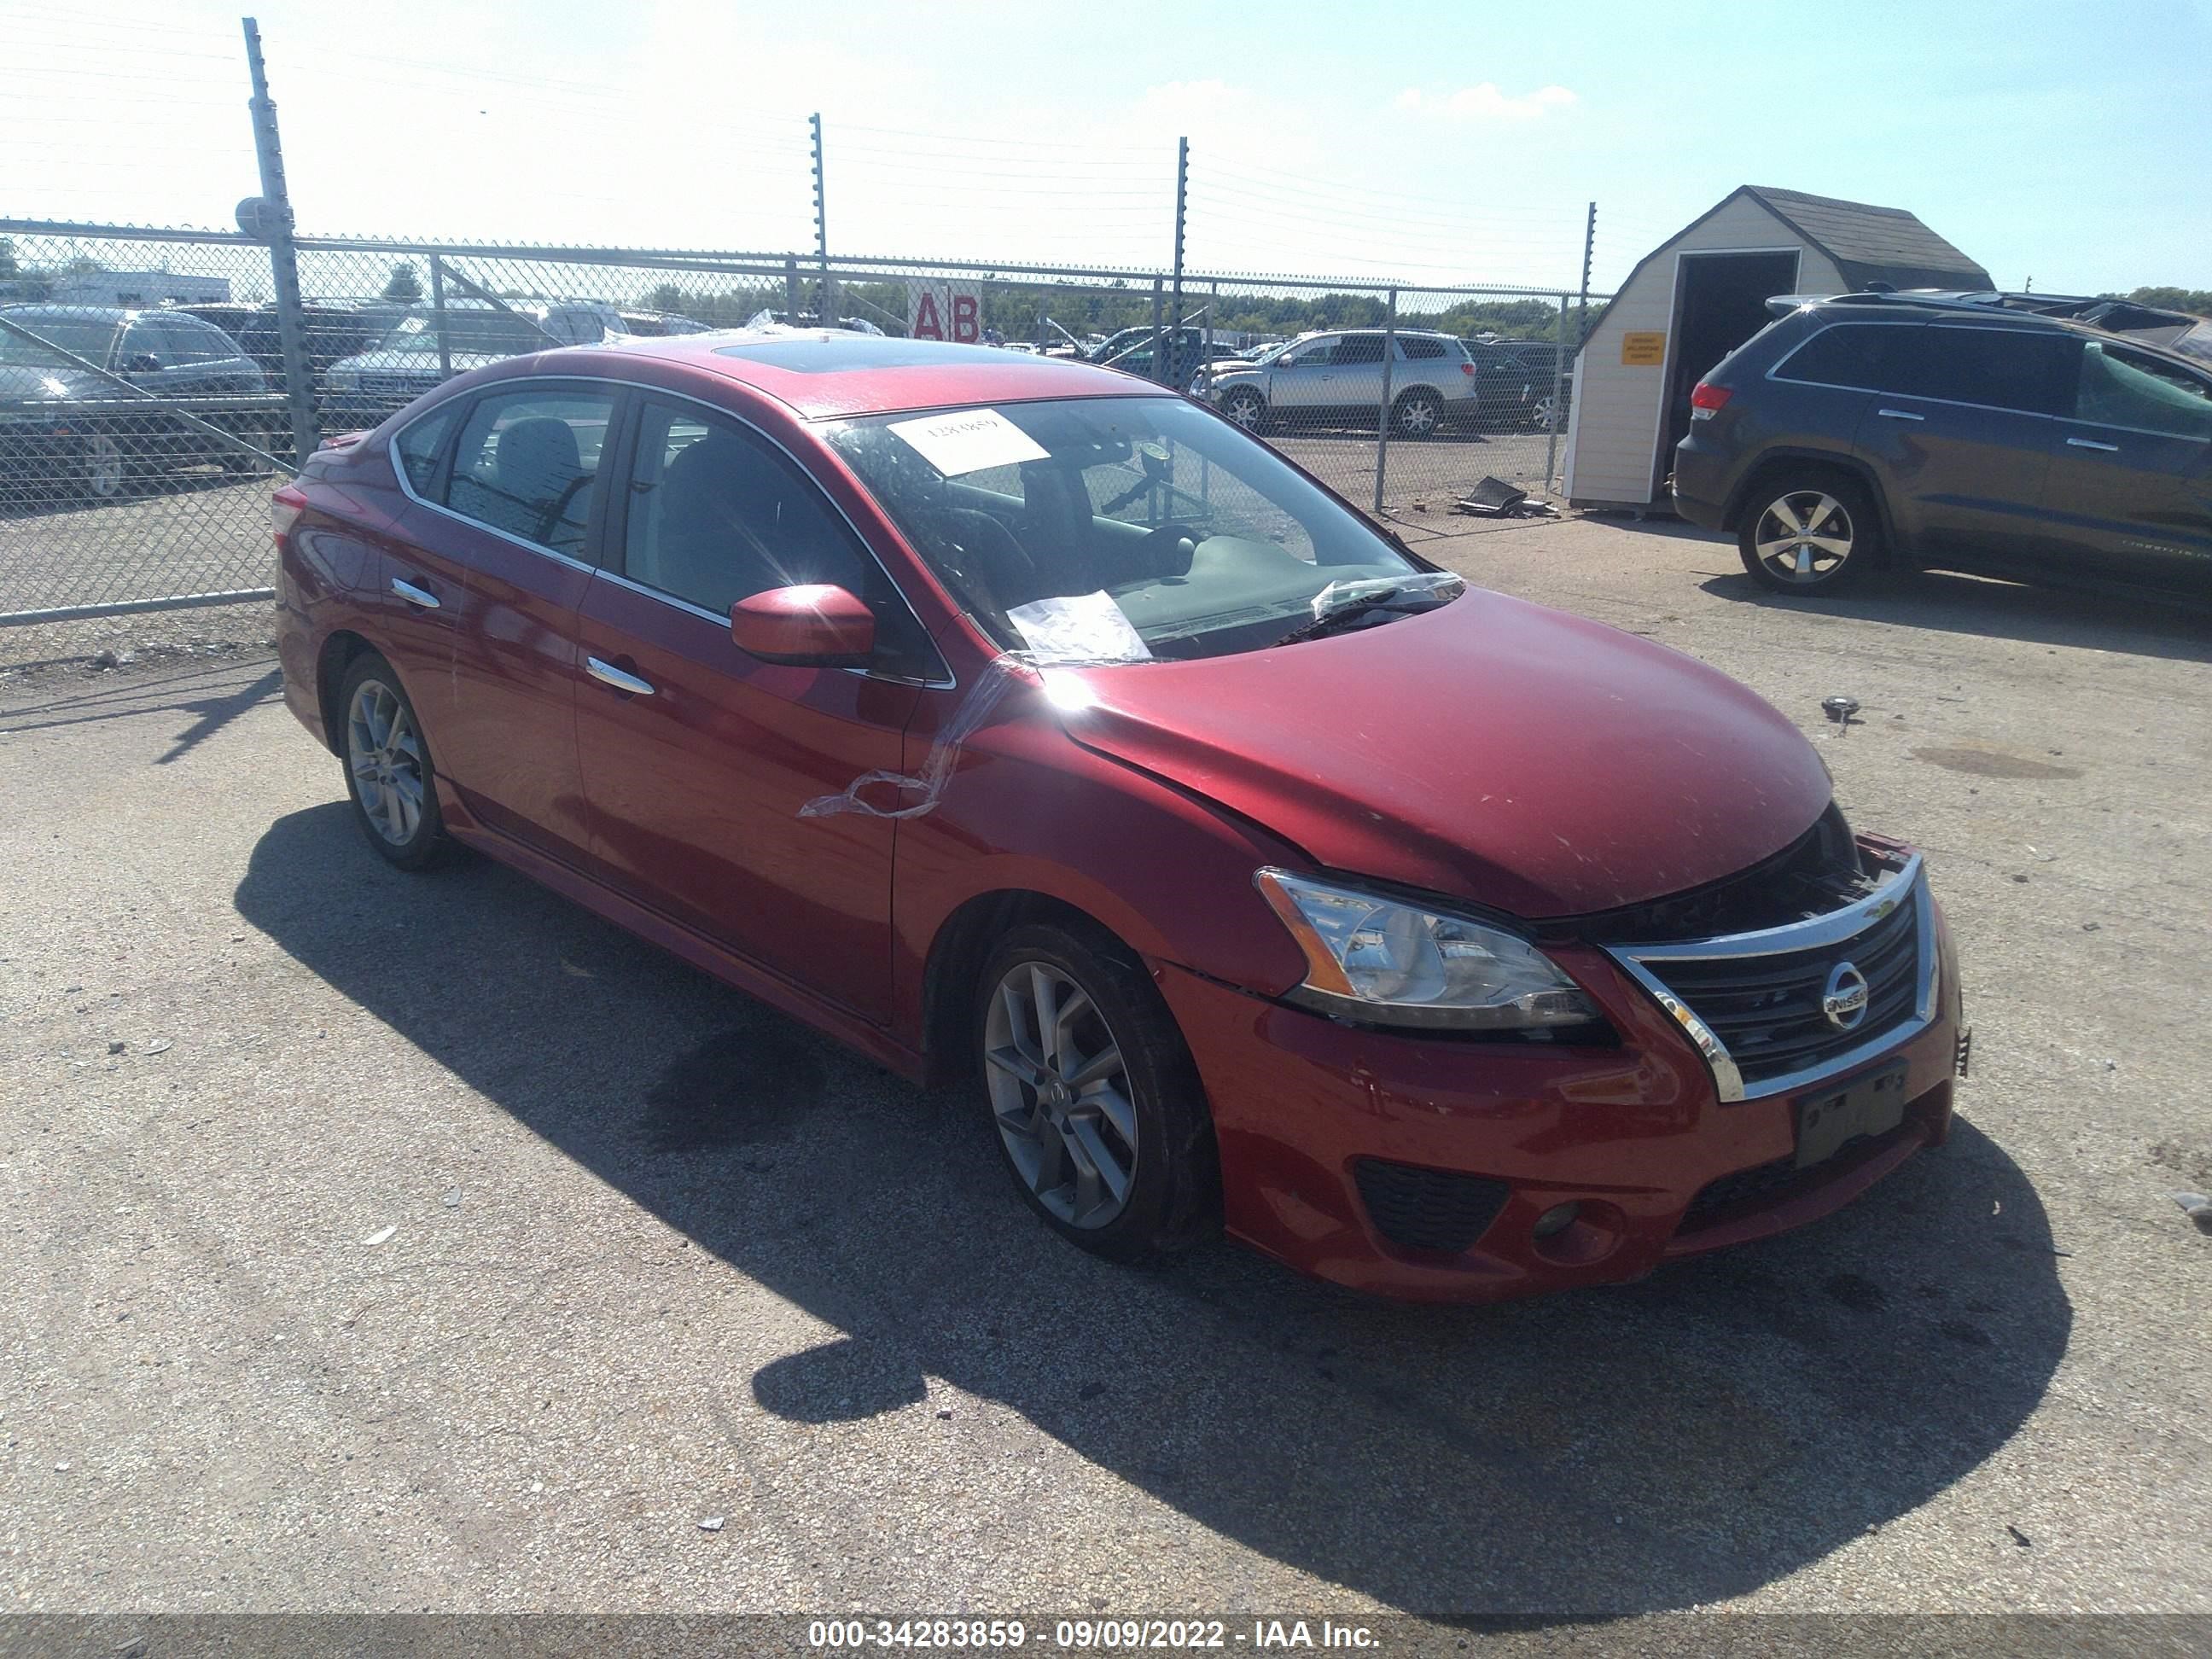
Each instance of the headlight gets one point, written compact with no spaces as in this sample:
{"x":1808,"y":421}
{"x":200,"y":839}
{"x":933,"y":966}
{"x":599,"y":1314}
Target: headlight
{"x":1388,"y":962}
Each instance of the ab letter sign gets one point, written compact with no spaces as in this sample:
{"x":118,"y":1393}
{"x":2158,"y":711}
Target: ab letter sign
{"x":944,"y":311}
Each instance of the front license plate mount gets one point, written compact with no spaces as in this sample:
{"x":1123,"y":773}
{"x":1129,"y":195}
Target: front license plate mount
{"x":1826,"y":1123}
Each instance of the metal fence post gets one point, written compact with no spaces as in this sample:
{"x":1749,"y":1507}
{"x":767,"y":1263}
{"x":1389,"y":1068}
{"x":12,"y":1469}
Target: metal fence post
{"x":791,"y":287}
{"x":284,"y":259}
{"x":438,"y":318}
{"x":1159,"y":352}
{"x":1383,"y":408}
{"x":827,"y":316}
{"x":1559,"y":394}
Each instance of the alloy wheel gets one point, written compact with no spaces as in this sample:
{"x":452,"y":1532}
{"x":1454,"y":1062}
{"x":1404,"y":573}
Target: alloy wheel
{"x":384,"y":757}
{"x":1060,"y":1092}
{"x":1417,"y":418}
{"x":1804,"y":538}
{"x":104,"y":467}
{"x":1243,"y":408}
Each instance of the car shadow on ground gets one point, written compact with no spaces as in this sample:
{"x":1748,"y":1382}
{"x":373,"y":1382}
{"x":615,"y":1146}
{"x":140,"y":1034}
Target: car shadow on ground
{"x":1653,"y":1446}
{"x":1953,"y":602}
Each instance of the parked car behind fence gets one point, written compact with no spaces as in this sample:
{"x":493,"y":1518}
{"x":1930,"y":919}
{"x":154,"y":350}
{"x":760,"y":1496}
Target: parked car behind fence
{"x":66,"y":431}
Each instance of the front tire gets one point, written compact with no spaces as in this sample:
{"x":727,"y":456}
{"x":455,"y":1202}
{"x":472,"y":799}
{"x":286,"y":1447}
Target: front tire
{"x":1809,"y":533}
{"x":1097,"y":1104}
{"x":106,"y":468}
{"x":1247,"y":408}
{"x":388,"y":771}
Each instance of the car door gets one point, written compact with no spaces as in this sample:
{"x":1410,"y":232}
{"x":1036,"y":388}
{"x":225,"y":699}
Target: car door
{"x":1298,"y":381}
{"x":1960,"y":434}
{"x":1354,"y":382}
{"x":223,"y":382}
{"x":2130,"y":480}
{"x":698,"y":759}
{"x":494,"y":576}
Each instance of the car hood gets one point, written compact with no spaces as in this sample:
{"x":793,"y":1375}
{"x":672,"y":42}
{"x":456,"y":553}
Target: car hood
{"x":29,"y":383}
{"x":1490,"y":750}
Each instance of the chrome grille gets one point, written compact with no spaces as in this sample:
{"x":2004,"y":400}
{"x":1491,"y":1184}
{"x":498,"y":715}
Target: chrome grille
{"x":1754,"y":1003}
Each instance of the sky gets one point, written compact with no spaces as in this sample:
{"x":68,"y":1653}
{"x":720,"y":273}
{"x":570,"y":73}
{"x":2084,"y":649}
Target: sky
{"x":1434,"y":143}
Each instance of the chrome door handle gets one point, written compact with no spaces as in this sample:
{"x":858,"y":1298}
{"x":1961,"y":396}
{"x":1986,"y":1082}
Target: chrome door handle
{"x":1900,"y":415}
{"x":2091,"y":443}
{"x":414,"y":595}
{"x":607,"y":674}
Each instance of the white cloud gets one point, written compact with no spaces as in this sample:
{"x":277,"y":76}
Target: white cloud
{"x":1485,"y":102}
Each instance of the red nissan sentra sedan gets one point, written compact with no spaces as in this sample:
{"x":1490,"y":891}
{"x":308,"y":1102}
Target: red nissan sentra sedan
{"x":1009,"y":717}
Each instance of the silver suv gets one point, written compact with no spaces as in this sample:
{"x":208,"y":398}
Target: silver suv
{"x":1336,"y":379}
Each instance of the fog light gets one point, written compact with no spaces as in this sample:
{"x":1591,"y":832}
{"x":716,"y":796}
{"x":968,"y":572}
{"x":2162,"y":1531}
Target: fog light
{"x":1557,"y":1219}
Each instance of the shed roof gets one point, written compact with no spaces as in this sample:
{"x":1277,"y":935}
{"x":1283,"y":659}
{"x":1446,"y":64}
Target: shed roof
{"x":1872,"y":244}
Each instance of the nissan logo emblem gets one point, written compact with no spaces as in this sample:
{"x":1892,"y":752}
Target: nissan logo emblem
{"x":1845,"y":999}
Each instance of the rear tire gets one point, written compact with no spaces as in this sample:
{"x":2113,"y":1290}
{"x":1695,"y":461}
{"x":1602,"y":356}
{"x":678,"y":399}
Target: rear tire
{"x":388,"y":771}
{"x":1809,"y":533}
{"x":1418,"y":413}
{"x":1096,"y":1100}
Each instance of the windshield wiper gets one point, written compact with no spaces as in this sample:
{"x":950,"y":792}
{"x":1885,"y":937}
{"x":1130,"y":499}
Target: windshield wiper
{"x":1342,"y":604}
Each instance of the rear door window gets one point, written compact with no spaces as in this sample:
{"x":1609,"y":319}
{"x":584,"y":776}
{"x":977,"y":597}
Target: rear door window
{"x":1359,"y":348}
{"x":1996,"y":368}
{"x":527,"y":460}
{"x":422,"y":444}
{"x":2120,"y":387}
{"x":1418,"y":346}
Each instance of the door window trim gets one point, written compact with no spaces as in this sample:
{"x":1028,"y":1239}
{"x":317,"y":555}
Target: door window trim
{"x":1776,"y":373}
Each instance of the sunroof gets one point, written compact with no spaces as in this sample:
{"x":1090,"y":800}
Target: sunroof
{"x":831,"y":354}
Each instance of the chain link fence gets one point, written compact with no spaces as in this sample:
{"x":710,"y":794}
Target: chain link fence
{"x":145,"y":400}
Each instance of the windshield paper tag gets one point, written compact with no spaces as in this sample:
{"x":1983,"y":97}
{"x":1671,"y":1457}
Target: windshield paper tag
{"x":969,"y":442}
{"x":1080,"y":628}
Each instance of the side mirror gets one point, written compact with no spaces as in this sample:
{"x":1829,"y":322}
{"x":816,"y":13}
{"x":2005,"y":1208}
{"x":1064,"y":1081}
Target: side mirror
{"x":144,"y":362}
{"x":814,"y":625}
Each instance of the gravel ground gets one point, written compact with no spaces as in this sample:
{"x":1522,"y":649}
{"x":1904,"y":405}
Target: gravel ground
{"x":390,"y":1243}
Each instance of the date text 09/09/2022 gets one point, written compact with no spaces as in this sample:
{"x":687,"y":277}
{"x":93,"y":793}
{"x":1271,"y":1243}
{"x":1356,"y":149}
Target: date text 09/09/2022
{"x":1099,"y":1635}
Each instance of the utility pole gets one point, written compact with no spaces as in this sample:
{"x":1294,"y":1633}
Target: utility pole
{"x":827,"y":317}
{"x":1581,"y":306}
{"x":1173,"y":352}
{"x":272,"y":224}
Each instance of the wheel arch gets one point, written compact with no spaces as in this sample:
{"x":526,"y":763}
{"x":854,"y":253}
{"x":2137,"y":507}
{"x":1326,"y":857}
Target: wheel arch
{"x":337,"y":656}
{"x":956,"y":953}
{"x":1794,"y":462}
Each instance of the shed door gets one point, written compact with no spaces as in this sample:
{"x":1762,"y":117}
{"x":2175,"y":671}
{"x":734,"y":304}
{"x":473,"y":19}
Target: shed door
{"x":1720,"y":301}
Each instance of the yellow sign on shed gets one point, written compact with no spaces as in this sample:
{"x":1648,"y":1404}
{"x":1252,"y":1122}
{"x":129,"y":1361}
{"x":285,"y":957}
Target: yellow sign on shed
{"x":1642,"y":350}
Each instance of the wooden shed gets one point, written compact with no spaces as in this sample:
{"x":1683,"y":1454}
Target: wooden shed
{"x":1698,"y":296}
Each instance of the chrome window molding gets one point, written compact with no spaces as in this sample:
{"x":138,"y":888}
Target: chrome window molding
{"x":1907,"y":885}
{"x":2069,"y":419}
{"x":407,"y":489}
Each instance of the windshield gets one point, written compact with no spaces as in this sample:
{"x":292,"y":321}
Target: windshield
{"x":87,"y":333}
{"x":1115,"y":529}
{"x":489,"y":333}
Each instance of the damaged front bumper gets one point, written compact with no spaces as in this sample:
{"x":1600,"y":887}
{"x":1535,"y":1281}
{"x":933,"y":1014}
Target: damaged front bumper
{"x":1434,"y":1169}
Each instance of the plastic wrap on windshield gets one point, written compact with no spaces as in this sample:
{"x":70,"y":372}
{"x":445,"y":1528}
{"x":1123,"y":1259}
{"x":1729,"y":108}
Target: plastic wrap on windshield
{"x":1339,"y":596}
{"x":1007,"y":673}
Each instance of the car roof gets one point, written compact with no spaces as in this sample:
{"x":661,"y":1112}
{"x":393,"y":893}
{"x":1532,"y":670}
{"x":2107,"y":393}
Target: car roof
{"x":1996,"y":310}
{"x":823,"y":374}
